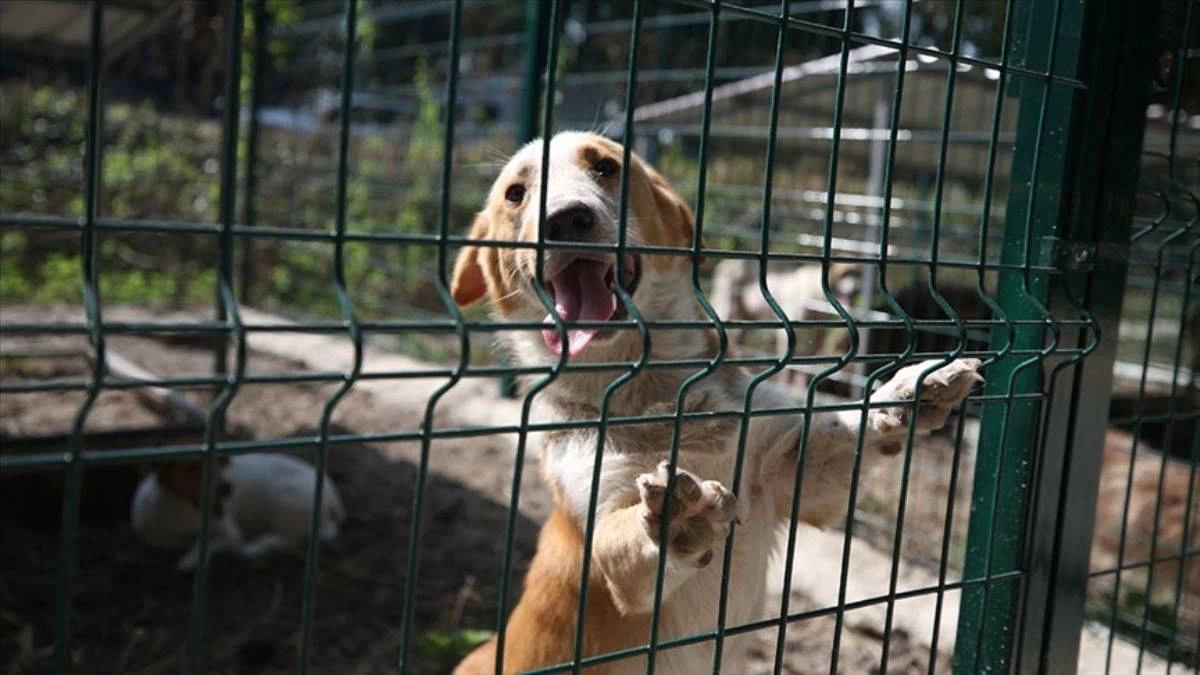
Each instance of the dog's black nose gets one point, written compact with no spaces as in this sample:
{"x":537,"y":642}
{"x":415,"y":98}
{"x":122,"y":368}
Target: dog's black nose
{"x":571,"y":223}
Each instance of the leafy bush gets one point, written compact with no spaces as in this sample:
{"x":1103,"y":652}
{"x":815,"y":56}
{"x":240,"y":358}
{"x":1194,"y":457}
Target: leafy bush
{"x":162,"y":167}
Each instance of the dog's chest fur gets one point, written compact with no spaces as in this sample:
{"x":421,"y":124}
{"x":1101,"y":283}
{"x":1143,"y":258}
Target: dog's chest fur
{"x":708,"y":447}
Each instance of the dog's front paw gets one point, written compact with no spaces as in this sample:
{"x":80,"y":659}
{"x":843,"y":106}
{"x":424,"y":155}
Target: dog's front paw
{"x":701,"y":511}
{"x":941,"y":390}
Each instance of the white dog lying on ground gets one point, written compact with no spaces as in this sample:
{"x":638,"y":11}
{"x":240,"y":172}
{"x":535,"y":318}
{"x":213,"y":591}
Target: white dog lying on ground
{"x":261,"y":503}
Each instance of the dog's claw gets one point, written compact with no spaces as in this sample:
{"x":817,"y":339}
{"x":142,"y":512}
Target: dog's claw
{"x":941,"y":390}
{"x":701,"y":512}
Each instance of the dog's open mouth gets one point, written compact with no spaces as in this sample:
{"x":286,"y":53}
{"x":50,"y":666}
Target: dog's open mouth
{"x":585,"y":290}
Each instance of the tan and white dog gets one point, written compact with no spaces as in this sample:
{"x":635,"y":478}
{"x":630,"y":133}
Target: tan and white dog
{"x":583,"y":187}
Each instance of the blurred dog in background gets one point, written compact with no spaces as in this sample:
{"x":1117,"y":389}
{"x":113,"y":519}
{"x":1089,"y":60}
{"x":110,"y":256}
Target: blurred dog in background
{"x":1136,"y":479}
{"x":261,"y":503}
{"x":799,"y":292}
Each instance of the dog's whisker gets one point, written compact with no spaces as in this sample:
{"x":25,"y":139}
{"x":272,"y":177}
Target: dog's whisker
{"x":509,"y":295}
{"x":497,"y":155}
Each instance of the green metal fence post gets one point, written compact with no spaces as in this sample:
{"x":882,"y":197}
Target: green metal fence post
{"x":229,"y":314}
{"x":95,"y":329}
{"x":1007,"y":430}
{"x":1106,"y":161}
{"x":623,"y":296}
{"x":550,"y":31}
{"x":464,"y":343}
{"x":354,"y":330}
{"x":250,"y":179}
{"x":537,"y":17}
{"x":1095,"y":160}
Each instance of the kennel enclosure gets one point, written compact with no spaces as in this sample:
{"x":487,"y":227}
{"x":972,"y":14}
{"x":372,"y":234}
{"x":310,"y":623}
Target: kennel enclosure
{"x":1038,"y":154}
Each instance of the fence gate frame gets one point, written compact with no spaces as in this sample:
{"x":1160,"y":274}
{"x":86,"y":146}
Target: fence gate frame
{"x":1087,"y":229}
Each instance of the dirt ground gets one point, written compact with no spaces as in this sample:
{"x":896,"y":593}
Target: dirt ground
{"x":132,"y":608}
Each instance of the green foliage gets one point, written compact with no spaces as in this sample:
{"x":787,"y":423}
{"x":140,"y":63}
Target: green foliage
{"x":59,"y":279}
{"x":423,"y":143}
{"x":446,"y":648}
{"x":13,"y":283}
{"x":281,"y":15}
{"x":366,"y":30}
{"x":161,"y":167}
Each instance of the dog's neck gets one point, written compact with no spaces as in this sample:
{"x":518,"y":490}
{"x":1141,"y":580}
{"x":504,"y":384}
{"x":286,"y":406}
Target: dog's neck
{"x":635,"y":387}
{"x":639,"y":382}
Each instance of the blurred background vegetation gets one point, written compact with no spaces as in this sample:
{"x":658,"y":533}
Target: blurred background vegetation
{"x":161,"y":138}
{"x":163,"y":84}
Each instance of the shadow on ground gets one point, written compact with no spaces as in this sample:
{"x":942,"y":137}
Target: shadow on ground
{"x":132,"y":608}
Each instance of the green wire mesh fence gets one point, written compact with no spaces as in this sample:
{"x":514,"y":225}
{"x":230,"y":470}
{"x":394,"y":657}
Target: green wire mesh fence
{"x":1012,"y":180}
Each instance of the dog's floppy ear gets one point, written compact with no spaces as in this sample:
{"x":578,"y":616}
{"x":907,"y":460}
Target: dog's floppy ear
{"x":676,"y":216}
{"x":469,"y":284}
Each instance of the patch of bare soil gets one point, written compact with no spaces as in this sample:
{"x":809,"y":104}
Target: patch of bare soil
{"x":809,"y":644}
{"x":927,"y":503}
{"x":132,"y":609}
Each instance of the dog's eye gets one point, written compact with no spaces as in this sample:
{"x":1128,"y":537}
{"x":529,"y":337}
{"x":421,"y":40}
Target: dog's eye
{"x":606,"y":167}
{"x":515,"y":194}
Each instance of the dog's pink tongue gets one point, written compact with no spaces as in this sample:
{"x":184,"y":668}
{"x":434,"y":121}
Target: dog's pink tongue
{"x":580,"y":294}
